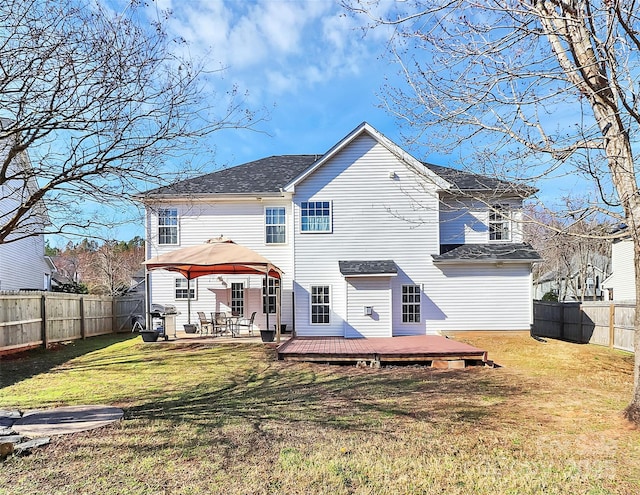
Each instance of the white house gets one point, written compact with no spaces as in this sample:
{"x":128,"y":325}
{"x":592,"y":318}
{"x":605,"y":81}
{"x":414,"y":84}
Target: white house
{"x":372,"y":242}
{"x":621,"y":284}
{"x":22,"y":259}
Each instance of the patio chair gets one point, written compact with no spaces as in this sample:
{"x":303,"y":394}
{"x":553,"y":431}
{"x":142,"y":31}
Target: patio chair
{"x":219,"y":320}
{"x":247,"y":323}
{"x":205,"y":324}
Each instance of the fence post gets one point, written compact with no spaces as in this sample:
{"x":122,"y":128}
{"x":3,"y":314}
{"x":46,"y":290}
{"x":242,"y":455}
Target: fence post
{"x":114,"y":315}
{"x":612,"y":325}
{"x":43,"y":326}
{"x":83,"y":328}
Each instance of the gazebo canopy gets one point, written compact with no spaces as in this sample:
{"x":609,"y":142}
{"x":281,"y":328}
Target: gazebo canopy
{"x":216,"y":256}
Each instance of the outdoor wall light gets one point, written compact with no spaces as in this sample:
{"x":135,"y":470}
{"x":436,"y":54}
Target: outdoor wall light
{"x":368,"y":310}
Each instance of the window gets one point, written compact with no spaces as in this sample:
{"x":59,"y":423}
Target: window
{"x":499,"y":223}
{"x":237,"y":298}
{"x":315,"y":216}
{"x":275,"y":226}
{"x":320,"y":304}
{"x":183,"y":287}
{"x":269,"y":297}
{"x":410,"y":304}
{"x":167,"y":226}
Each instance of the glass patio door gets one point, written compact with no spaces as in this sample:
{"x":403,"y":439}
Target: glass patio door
{"x":237,"y":298}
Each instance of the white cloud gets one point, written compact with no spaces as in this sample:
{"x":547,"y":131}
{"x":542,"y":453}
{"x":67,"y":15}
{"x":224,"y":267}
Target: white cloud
{"x":289,"y":44}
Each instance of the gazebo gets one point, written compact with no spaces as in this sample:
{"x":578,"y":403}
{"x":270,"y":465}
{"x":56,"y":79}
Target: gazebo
{"x":216,"y":257}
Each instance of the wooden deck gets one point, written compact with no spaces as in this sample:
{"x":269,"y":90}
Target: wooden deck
{"x":439,"y":351}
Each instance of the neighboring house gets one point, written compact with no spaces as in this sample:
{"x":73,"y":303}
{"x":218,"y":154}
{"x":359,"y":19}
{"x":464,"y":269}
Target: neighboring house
{"x":22,"y":261}
{"x":581,"y":280}
{"x":621,"y":284}
{"x":371,"y":241}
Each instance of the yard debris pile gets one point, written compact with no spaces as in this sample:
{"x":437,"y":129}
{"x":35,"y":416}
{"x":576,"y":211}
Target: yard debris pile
{"x":11,"y":442}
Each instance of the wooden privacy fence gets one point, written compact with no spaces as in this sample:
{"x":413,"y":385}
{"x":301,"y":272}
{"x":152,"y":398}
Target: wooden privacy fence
{"x":41,"y":318}
{"x":602,"y":323}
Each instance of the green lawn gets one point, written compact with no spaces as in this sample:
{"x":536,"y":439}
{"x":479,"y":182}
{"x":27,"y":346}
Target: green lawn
{"x":230,"y":419}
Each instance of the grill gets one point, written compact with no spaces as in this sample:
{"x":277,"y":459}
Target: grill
{"x":162,"y":322}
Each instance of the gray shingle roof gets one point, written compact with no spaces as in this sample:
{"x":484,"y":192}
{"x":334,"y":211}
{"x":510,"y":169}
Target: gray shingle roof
{"x":467,"y":181}
{"x":268,"y":175}
{"x":489,"y":252}
{"x":379,"y":267}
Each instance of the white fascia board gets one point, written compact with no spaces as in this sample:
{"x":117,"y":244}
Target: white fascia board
{"x":485,"y":262}
{"x":384,"y":141}
{"x":182,"y":198}
{"x":371,"y":275}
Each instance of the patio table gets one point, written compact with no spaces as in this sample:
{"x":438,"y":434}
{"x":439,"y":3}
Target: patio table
{"x":232,"y":324}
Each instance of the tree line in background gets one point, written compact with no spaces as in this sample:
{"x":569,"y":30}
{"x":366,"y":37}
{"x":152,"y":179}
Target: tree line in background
{"x":576,"y":254}
{"x":88,"y":267}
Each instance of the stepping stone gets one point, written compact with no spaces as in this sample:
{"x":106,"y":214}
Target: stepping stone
{"x":6,"y":430}
{"x":20,"y":448}
{"x":7,"y":418}
{"x":12,"y":439}
{"x":66,"y":420}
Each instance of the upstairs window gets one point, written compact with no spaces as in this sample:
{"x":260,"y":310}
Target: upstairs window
{"x":275,"y":225}
{"x":167,"y":226}
{"x":499,"y":223}
{"x":315,"y":216}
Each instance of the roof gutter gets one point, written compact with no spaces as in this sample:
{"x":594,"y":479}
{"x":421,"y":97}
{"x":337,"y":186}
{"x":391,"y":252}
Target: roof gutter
{"x":178,"y":198}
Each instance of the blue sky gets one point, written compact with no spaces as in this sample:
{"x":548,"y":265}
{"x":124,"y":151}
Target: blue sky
{"x":307,"y":63}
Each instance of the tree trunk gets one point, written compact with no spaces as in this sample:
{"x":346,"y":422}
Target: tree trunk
{"x":632,"y":412}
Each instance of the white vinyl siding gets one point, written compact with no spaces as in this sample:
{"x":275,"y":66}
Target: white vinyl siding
{"x":373,"y":218}
{"x":464,"y":221}
{"x":377,"y":215}
{"x":374,"y":292}
{"x":480,"y":297}
{"x":622,"y":279}
{"x":242,"y":221}
{"x":22,"y":262}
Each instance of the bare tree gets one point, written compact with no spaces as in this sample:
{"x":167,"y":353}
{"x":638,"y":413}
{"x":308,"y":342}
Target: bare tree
{"x":103,"y":268}
{"x":575,"y":253}
{"x":540,"y":87}
{"x":93,"y":104}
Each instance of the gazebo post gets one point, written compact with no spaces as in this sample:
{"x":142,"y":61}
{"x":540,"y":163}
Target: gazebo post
{"x":188,"y":301}
{"x":278,"y":309}
{"x":266,"y":294}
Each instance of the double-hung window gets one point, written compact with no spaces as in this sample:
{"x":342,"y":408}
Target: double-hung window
{"x":315,"y":216}
{"x":167,"y":226}
{"x":320,"y":304}
{"x":410,"y":304}
{"x":275,"y":225}
{"x":499,"y":223}
{"x":185,"y":289}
